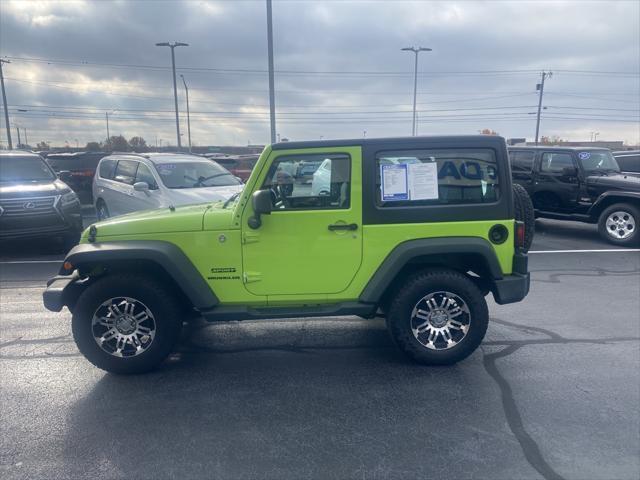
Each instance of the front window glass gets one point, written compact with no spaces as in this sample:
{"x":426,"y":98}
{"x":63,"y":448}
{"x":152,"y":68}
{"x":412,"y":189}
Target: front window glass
{"x":126,"y":171}
{"x":24,"y":169}
{"x":439,"y":176}
{"x":555,"y":162}
{"x":307,"y":182}
{"x":598,"y":161}
{"x":195,"y":175}
{"x":144,"y":175}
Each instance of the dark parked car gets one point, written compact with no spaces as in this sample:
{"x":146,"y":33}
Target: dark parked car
{"x":628,"y":161}
{"x":583,"y":184}
{"x":34,"y":202}
{"x":81,"y":167}
{"x":239,"y":165}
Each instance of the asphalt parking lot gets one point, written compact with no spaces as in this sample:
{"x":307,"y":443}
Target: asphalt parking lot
{"x":553,"y":393}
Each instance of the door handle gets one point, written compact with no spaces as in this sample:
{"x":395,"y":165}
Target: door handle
{"x":343,"y":226}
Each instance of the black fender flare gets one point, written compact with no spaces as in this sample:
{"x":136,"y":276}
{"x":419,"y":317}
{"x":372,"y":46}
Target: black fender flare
{"x":166,"y":255}
{"x":407,"y":251}
{"x":605,"y":200}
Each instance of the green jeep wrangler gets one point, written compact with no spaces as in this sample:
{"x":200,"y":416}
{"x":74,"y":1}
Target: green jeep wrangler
{"x":418,"y":230}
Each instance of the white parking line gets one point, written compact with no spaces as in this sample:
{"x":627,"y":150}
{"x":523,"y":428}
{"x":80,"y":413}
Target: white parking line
{"x":609,"y":250}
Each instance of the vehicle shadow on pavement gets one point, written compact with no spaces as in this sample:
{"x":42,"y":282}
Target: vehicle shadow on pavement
{"x":260,"y":407}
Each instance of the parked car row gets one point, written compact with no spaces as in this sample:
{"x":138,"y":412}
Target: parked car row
{"x":77,"y":170}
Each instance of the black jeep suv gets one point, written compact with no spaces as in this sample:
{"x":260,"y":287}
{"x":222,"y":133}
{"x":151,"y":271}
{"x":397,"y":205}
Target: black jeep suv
{"x":583,"y":184}
{"x":34,"y":202}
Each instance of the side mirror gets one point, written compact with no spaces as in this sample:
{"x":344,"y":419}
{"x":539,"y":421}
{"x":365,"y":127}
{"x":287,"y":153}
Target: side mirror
{"x":261,"y":203}
{"x":570,"y":172}
{"x":141,"y":187}
{"x":64,"y":175}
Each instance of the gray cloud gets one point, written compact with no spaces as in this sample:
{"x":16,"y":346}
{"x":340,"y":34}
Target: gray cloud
{"x":334,"y":36}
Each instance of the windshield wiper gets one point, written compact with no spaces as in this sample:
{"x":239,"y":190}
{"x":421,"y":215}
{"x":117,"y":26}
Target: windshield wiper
{"x":231,"y":199}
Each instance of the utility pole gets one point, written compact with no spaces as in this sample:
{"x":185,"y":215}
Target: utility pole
{"x":540,"y":88}
{"x":4,"y":104}
{"x":186,"y":89}
{"x":172,"y":46}
{"x":272,"y":95}
{"x":106,"y":114}
{"x":416,"y":51}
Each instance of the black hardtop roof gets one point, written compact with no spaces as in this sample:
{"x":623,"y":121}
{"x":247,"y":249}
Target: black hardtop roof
{"x":410,"y":142}
{"x":556,"y":147}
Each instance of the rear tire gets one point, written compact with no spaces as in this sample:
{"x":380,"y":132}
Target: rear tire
{"x":438,"y":317}
{"x":619,"y":223}
{"x":126,"y":323}
{"x":524,"y":212}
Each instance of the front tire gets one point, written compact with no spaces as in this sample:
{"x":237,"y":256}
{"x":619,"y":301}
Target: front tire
{"x":126,"y":323}
{"x":438,"y":317}
{"x":619,"y":224}
{"x":102,"y":212}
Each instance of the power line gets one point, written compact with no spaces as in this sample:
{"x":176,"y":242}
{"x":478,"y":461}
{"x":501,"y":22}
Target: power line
{"x":245,"y":71}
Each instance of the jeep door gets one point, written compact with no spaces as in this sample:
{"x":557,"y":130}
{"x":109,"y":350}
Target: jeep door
{"x":557,"y":187}
{"x":522,"y":168}
{"x":310,"y":244}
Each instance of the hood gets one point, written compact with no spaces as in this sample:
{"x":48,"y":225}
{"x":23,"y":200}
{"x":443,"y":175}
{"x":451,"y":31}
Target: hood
{"x":162,"y":220}
{"x":32,"y":189}
{"x":617,"y":181}
{"x":189,"y":196}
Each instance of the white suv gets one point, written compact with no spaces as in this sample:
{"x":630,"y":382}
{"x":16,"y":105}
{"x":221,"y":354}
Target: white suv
{"x":126,"y":183}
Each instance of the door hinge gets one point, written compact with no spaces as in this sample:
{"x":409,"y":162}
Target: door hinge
{"x":250,"y":237}
{"x":250,"y":277}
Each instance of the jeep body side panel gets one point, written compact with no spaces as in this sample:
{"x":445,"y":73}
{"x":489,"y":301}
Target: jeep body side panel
{"x":165,"y":254}
{"x":405,"y":252}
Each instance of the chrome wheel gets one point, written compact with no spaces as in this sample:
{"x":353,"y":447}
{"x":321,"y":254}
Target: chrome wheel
{"x":620,"y":225}
{"x":440,"y":320}
{"x":123,"y":327}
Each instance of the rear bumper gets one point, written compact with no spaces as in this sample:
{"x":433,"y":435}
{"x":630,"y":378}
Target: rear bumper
{"x":53,"y":296}
{"x":513,"y":288}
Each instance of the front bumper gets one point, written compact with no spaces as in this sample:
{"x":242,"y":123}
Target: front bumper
{"x":54,"y":295}
{"x":513,"y":288}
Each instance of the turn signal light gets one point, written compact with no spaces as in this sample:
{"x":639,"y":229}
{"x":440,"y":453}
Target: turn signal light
{"x":68,"y":266}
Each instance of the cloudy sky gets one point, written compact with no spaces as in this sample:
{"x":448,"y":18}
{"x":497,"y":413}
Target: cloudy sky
{"x":339,"y":68}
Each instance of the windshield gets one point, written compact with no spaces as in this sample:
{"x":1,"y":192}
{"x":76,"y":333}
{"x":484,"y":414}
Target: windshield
{"x":598,"y":162}
{"x":195,"y":175}
{"x":24,"y":169}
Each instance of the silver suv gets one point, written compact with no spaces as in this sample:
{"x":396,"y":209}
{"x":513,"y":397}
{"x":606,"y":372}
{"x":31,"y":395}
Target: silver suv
{"x":126,"y":183}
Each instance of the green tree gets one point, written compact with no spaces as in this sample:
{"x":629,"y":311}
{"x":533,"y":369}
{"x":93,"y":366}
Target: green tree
{"x":93,"y":147}
{"x":42,"y":146}
{"x":138,"y":144}
{"x":118,"y":144}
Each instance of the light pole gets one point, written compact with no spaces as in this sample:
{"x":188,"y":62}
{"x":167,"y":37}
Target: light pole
{"x":272,"y":94}
{"x":416,"y":51}
{"x":186,"y":90}
{"x":172,"y":46}
{"x":106,"y":115}
{"x":4,"y":104}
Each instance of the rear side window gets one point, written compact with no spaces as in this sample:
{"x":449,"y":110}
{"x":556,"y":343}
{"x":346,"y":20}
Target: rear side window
{"x":107,"y":169}
{"x":126,"y":171}
{"x":629,"y":163}
{"x":436,"y":177}
{"x":554,"y":162}
{"x":521,"y":161}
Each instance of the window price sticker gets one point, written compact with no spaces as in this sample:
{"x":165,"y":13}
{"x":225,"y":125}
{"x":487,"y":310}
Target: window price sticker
{"x":394,"y":183}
